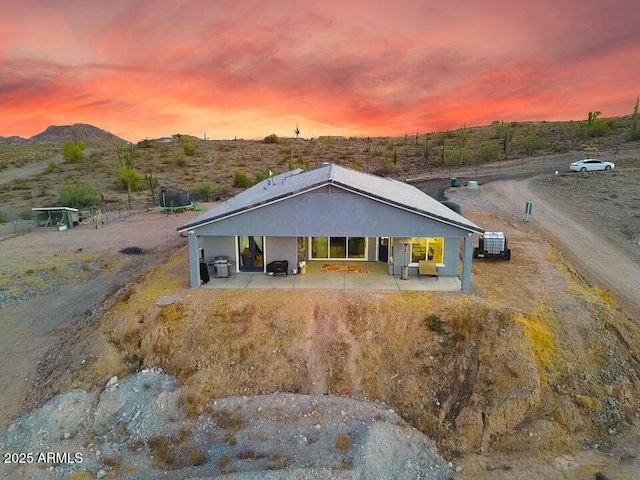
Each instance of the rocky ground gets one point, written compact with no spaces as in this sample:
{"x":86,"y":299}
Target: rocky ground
{"x":136,"y":429}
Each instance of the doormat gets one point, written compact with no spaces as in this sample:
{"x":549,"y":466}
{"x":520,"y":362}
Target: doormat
{"x":343,"y":268}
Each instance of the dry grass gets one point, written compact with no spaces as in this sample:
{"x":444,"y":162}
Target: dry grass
{"x":343,"y":442}
{"x":173,"y":453}
{"x":229,"y":420}
{"x":538,"y":331}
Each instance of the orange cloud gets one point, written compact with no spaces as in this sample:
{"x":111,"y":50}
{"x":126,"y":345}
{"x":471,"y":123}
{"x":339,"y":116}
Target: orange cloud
{"x":247,"y":68}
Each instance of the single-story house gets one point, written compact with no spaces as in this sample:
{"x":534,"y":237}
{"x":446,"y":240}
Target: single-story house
{"x":330,"y":212}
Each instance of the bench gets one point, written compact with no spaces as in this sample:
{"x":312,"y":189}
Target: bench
{"x":427,"y":267}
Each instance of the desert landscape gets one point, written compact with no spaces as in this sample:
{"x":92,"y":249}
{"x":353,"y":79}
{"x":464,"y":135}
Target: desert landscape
{"x":535,"y":374}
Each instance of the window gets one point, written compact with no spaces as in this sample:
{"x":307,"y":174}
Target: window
{"x":343,"y":248}
{"x":427,"y":248}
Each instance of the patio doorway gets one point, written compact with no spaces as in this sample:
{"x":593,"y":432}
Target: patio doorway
{"x":383,"y":249}
{"x":251,"y":253}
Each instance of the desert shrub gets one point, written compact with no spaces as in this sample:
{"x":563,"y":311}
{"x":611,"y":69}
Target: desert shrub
{"x":181,"y":158}
{"x":26,"y":214}
{"x":52,"y":166}
{"x":273,"y":138}
{"x":434,"y":323}
{"x":595,"y":126}
{"x":533,"y":144}
{"x":73,"y":152}
{"x":204,"y":192}
{"x":3,"y":217}
{"x":488,"y":153}
{"x":241,"y":179}
{"x":131,"y":178}
{"x":260,"y":176}
{"x":387,"y":169}
{"x":78,"y":195}
{"x":188,"y":147}
{"x":20,"y":184}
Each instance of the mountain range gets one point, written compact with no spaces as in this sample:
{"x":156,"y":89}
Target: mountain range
{"x":65,"y":133}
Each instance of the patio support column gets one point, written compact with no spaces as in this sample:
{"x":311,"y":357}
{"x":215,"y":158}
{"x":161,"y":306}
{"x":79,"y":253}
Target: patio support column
{"x":194,"y":260}
{"x":467,"y":260}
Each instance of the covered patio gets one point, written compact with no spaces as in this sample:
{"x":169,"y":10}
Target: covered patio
{"x":330,"y":213}
{"x":376,"y":278}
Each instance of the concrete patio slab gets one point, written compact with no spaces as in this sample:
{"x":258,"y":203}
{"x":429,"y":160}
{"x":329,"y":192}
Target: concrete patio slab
{"x":333,"y":281}
{"x":262,"y":281}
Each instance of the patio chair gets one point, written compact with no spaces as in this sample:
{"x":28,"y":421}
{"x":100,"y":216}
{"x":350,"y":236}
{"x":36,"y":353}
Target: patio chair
{"x":427,"y":267}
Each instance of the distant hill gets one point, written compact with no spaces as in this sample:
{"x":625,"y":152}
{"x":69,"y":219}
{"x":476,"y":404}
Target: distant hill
{"x":13,"y":139}
{"x":78,"y":131}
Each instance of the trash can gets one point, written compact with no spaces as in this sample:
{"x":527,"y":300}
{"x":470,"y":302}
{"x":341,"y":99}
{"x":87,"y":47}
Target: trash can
{"x":454,"y":182}
{"x":221,"y":266}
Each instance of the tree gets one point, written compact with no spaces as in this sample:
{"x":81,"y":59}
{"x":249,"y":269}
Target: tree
{"x":73,"y":152}
{"x":273,"y":138}
{"x":505,"y":133}
{"x":78,"y":195}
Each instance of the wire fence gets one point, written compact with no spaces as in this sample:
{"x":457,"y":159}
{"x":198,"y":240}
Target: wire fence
{"x":540,"y":163}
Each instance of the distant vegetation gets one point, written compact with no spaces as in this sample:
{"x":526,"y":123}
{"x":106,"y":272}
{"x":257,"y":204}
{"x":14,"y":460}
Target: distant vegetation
{"x":78,"y":195}
{"x":216,"y":169}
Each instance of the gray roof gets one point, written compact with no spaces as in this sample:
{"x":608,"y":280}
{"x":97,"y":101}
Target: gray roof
{"x":386,"y":190}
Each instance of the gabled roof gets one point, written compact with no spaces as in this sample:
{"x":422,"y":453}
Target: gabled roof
{"x":295,"y":182}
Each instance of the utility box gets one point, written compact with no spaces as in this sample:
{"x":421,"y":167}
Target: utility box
{"x":493,"y":245}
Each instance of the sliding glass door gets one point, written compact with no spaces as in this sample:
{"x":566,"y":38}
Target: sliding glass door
{"x":339,"y":248}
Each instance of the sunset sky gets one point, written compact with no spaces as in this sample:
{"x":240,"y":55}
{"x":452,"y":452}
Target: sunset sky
{"x":249,"y":68}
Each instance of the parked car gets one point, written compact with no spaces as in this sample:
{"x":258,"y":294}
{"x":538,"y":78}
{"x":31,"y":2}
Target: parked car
{"x":589,"y":164}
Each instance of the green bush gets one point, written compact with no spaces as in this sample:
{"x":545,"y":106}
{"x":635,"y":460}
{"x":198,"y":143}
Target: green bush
{"x":78,"y":195}
{"x":241,"y":179}
{"x":52,"y":166}
{"x":3,"y":217}
{"x":260,"y":176}
{"x":434,"y":323}
{"x":73,"y":152}
{"x":273,"y":138}
{"x":181,"y":159}
{"x":131,"y":178}
{"x":204,"y":192}
{"x":533,"y":144}
{"x":188,"y":147}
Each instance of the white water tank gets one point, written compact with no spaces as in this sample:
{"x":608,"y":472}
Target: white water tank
{"x":494,"y":242}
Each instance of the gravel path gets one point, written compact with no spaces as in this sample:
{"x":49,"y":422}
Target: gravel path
{"x":580,"y":237}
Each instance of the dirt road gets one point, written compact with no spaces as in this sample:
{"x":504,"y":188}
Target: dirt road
{"x":32,"y":326}
{"x":577,"y":234}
